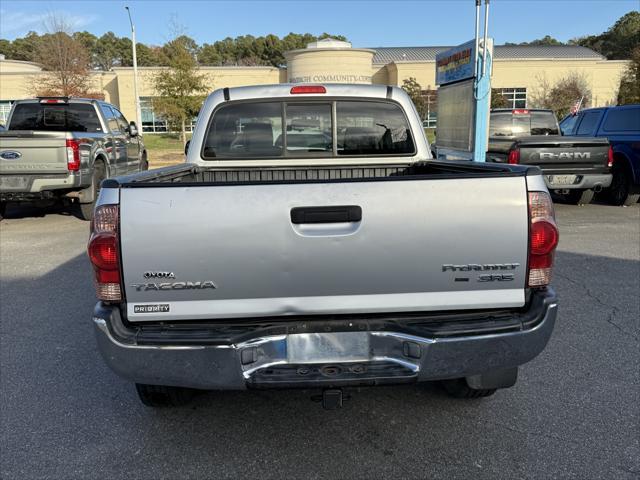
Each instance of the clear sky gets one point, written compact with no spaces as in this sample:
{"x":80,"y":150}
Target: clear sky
{"x":367,"y":23}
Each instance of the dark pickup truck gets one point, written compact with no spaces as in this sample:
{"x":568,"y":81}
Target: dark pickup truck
{"x":575,"y":167}
{"x":621,"y":126}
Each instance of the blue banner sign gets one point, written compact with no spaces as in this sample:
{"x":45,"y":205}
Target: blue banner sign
{"x":455,"y":64}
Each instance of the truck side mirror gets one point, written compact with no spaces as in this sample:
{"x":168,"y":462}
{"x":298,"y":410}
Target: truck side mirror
{"x":133,"y":129}
{"x":186,"y":147}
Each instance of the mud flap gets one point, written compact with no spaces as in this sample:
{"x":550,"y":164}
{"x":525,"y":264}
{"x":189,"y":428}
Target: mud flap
{"x":87,"y":195}
{"x":496,"y":379}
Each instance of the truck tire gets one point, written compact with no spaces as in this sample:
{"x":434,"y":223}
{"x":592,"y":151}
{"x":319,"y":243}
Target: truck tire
{"x":580,"y":197}
{"x":618,"y":192}
{"x":458,"y":388}
{"x":85,"y":210}
{"x":631,"y":199}
{"x":159,"y":396}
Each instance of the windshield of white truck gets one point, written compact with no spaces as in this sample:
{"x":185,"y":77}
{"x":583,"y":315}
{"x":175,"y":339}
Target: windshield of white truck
{"x":294,"y":129}
{"x":76,"y":117}
{"x":512,"y":124}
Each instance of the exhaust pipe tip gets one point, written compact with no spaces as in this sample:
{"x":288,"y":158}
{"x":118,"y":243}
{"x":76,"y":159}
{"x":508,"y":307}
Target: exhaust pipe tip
{"x":597,"y":188}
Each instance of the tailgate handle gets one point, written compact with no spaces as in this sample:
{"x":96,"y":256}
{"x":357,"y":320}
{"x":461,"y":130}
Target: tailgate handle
{"x":333,"y":214}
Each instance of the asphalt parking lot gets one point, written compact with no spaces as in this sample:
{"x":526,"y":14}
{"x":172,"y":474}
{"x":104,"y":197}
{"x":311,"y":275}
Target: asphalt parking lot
{"x":574,"y":412}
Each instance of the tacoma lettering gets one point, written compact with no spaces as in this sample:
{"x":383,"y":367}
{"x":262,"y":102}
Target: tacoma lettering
{"x":145,"y":287}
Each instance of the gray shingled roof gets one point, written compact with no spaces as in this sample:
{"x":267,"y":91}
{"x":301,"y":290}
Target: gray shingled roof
{"x":386,"y":55}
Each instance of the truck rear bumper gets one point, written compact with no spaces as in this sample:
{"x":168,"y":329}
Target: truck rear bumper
{"x":23,"y":188}
{"x":341,"y":352}
{"x":583,"y":181}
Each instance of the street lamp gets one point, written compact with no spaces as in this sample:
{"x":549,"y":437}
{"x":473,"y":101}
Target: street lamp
{"x":135,"y":72}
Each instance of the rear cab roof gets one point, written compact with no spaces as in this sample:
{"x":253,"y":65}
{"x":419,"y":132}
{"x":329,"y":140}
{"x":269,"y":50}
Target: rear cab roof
{"x":66,"y":99}
{"x":527,"y":109}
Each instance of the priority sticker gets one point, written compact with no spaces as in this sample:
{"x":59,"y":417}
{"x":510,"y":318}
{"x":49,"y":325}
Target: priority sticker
{"x":157,"y":308}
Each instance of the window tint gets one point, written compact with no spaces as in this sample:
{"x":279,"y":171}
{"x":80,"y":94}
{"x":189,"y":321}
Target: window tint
{"x":506,"y":124}
{"x":110,"y":117}
{"x":308,"y":128}
{"x":245,"y":130}
{"x":122,"y":122}
{"x":622,"y":120}
{"x":543,"y":123}
{"x":76,"y":117}
{"x":254,"y":130}
{"x":372,"y":128}
{"x":500,"y":124}
{"x":588,"y":123}
{"x":568,"y":124}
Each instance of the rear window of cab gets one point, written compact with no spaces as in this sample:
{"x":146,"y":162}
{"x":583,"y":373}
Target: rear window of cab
{"x":510,"y":124}
{"x":74,"y":117}
{"x":276,"y":129}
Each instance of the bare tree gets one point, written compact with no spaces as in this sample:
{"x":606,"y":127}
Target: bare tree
{"x":539,"y":96}
{"x":65,"y":60}
{"x":563,"y":94}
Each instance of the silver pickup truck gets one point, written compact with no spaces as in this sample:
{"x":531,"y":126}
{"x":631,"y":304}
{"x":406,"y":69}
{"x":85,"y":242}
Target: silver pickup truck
{"x":310,"y":241}
{"x":61,"y":148}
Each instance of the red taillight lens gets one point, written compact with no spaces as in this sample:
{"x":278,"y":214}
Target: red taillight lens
{"x":520,"y":112}
{"x":543,"y":239}
{"x":611,"y":158}
{"x":104,"y":254}
{"x":514,"y":156}
{"x":73,"y":155}
{"x":300,"y":89}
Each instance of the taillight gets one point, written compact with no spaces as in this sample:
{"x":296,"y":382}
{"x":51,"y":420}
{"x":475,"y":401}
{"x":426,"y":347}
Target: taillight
{"x":543,"y":239}
{"x":307,"y":89}
{"x":73,"y":155}
{"x":514,"y":156}
{"x":520,"y":112}
{"x":610,"y":160}
{"x":104,"y":253}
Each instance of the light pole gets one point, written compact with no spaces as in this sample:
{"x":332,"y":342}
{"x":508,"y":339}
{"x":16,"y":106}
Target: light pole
{"x":135,"y":73}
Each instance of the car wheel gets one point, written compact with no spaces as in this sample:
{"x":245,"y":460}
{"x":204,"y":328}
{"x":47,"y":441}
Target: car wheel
{"x":580,"y":197}
{"x":618,"y":192}
{"x":85,"y":210}
{"x":631,"y":199}
{"x":162,"y":396}
{"x":458,"y":388}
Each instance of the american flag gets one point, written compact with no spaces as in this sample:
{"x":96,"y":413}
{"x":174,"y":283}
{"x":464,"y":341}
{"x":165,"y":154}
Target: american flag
{"x":575,"y":108}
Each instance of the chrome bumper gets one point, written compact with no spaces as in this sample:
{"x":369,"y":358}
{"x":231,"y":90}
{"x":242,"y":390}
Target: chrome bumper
{"x":337,"y":357}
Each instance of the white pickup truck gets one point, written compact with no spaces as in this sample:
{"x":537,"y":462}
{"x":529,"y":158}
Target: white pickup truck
{"x":310,"y":241}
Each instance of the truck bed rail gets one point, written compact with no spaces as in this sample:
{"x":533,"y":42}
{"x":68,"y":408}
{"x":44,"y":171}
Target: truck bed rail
{"x":189,"y":174}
